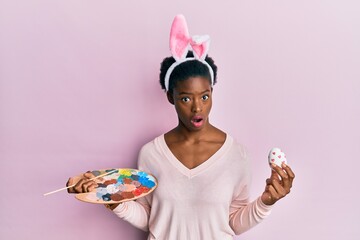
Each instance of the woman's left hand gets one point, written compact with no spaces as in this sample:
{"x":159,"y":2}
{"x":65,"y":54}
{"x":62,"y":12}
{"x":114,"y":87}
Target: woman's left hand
{"x":278,"y":185}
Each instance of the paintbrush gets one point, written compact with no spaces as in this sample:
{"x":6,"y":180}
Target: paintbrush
{"x":64,"y":188}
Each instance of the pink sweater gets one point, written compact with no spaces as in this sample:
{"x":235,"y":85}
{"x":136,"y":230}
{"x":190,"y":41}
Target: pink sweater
{"x":210,"y":201}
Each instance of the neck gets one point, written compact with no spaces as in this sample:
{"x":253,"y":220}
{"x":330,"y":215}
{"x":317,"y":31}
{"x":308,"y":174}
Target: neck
{"x":193,"y":135}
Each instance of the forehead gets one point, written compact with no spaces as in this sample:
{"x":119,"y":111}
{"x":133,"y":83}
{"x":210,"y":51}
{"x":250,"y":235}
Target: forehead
{"x":193,"y":85}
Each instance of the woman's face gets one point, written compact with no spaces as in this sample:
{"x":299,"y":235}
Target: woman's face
{"x":192,"y":100}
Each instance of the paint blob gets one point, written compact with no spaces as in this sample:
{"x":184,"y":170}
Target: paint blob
{"x":127,"y":195}
{"x":116,"y":197}
{"x":127,"y":180}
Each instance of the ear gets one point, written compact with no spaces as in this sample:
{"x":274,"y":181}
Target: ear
{"x":170,"y":97}
{"x":179,"y":38}
{"x":200,"y":46}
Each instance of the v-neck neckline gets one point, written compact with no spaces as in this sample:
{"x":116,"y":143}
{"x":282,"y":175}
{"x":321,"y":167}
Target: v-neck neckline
{"x":190,"y":173}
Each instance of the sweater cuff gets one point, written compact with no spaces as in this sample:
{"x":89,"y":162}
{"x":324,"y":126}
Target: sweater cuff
{"x":121,"y":209}
{"x":263,"y":209}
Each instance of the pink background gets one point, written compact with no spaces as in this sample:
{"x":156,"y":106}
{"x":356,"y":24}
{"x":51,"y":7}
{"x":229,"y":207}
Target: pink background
{"x":79,"y":91}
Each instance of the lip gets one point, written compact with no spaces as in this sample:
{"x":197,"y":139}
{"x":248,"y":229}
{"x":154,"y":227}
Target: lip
{"x":197,"y":121}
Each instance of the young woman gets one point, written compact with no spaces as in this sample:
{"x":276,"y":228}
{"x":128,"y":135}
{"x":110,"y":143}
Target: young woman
{"x":203,"y":174}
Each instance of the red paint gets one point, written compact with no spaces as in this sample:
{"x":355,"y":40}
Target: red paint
{"x":111,"y":181}
{"x":116,"y":197}
{"x":144,"y":189}
{"x":127,"y":180}
{"x":127,"y":195}
{"x":137,"y":192}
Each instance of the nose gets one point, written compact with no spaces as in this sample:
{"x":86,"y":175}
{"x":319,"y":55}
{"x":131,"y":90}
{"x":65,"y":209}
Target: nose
{"x":196,"y":107}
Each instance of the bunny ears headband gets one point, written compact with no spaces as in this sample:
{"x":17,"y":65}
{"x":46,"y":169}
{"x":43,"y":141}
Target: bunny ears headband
{"x":181,"y":43}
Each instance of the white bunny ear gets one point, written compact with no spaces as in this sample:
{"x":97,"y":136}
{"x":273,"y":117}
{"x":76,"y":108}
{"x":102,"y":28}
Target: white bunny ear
{"x":179,"y":38}
{"x":200,"y":46}
{"x":181,"y":42}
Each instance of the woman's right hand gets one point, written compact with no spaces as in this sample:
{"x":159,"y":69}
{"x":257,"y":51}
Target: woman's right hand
{"x":82,"y":183}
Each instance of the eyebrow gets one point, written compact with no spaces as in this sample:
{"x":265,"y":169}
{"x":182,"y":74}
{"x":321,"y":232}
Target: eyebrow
{"x":186,"y":93}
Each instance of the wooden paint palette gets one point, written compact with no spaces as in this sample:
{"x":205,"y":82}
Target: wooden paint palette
{"x":120,"y":185}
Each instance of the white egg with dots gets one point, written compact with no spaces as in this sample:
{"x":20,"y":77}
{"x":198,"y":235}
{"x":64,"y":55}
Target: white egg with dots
{"x":277,"y":157}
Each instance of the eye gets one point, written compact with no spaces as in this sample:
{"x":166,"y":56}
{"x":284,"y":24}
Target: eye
{"x":185,"y":99}
{"x":205,"y":97}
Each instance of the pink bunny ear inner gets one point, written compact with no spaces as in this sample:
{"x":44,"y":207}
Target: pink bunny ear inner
{"x":199,"y":51}
{"x":179,"y":38}
{"x":200,"y":46}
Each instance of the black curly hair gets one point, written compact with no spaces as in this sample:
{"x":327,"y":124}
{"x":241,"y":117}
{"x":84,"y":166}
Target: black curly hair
{"x":191,"y":68}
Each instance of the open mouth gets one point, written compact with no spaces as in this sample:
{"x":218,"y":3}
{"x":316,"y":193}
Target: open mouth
{"x":197,"y":121}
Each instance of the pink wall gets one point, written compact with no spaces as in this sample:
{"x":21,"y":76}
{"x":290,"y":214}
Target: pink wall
{"x":79,"y":91}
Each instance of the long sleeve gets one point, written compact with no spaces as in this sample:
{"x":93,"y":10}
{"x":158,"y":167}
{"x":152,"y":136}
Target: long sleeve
{"x":244,"y":216}
{"x":243,"y":213}
{"x":136,"y":212}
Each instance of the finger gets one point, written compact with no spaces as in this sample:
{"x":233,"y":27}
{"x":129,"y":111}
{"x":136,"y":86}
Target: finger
{"x":289,"y":171}
{"x":88,"y":175}
{"x":279,"y":188}
{"x":78,"y":188}
{"x":284,"y":177}
{"x":267,"y":187}
{"x":274,"y":172}
{"x":88,"y":186}
{"x":274,"y":197}
{"x":270,"y":180}
{"x":274,"y":177}
{"x":92,"y":187}
{"x":276,"y":169}
{"x":69,"y":183}
{"x":289,"y":177}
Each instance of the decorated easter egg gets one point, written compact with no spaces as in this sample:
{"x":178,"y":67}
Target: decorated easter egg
{"x":277,"y":157}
